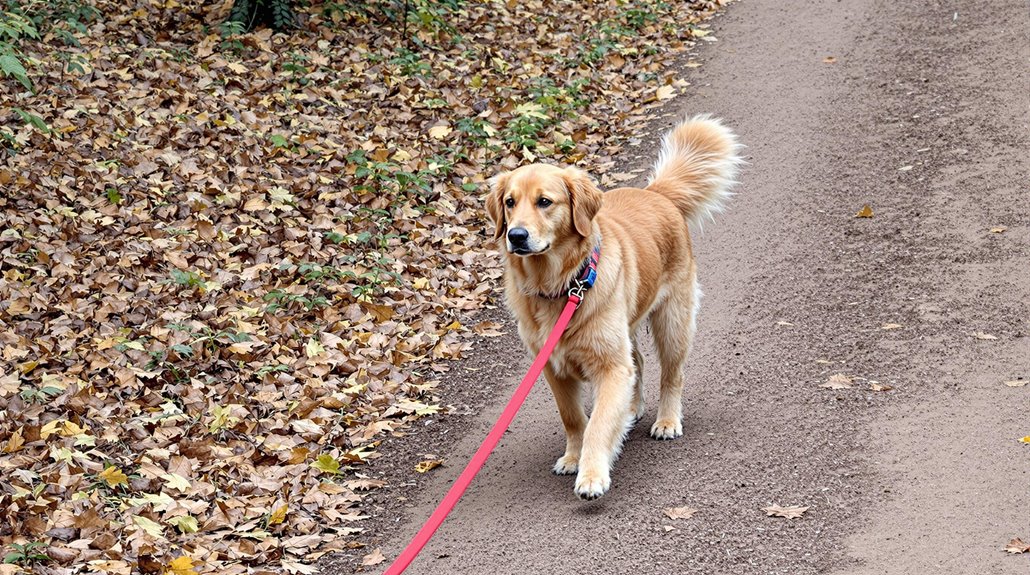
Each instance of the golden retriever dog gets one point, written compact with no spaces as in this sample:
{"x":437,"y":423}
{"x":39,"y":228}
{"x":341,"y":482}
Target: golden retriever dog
{"x":548,"y":222}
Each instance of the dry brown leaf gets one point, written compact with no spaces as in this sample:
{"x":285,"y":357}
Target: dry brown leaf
{"x":1017,"y":546}
{"x":998,"y":229}
{"x":428,"y":465}
{"x":837,"y":381}
{"x":374,"y":558}
{"x":665,"y":92}
{"x":679,"y":512}
{"x":830,"y":60}
{"x":891,"y":326}
{"x":874,"y":386}
{"x":785,"y":512}
{"x":984,"y":336}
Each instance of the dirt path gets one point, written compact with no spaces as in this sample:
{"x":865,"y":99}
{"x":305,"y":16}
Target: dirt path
{"x":924,"y":117}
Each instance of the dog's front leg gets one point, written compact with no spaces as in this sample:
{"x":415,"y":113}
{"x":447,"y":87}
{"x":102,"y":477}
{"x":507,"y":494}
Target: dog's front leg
{"x":566,"y":391}
{"x":608,"y":423}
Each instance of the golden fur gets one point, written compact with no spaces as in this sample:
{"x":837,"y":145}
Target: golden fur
{"x":646,"y":271}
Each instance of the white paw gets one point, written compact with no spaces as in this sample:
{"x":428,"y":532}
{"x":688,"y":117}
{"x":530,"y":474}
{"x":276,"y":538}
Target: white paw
{"x":590,"y":486}
{"x":566,"y":465}
{"x":666,"y":429}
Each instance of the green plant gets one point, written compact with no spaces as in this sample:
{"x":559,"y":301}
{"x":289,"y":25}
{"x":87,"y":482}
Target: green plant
{"x":113,"y":196}
{"x":22,"y":20}
{"x":411,"y":64}
{"x":41,"y":395}
{"x":26,"y":553}
{"x":187,"y":278}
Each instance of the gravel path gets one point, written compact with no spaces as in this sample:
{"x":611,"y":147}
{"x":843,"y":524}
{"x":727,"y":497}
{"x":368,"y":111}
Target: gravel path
{"x":920,"y":112}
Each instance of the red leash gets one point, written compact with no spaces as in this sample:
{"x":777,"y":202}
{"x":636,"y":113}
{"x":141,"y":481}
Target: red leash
{"x":461,"y":484}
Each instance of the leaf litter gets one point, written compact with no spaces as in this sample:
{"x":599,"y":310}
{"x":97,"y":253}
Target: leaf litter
{"x":232,"y":265}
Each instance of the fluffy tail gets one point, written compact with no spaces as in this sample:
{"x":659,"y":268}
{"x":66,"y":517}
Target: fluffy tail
{"x":697,"y":167}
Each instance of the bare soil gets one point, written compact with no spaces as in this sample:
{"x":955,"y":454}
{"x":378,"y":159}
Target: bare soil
{"x":922,"y":114}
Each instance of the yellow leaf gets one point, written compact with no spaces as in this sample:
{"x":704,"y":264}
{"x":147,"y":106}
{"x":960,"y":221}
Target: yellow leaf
{"x":181,"y":566}
{"x":665,"y":92}
{"x":114,"y":477}
{"x":15,"y":442}
{"x":184,"y":523}
{"x":865,"y":212}
{"x":439,"y":132}
{"x":453,"y":326}
{"x":327,"y":463}
{"x":428,"y":465}
{"x":313,"y":348}
{"x":1025,"y":439}
{"x":176,"y":481}
{"x":149,"y":525}
{"x":51,"y":428}
{"x":279,"y":515}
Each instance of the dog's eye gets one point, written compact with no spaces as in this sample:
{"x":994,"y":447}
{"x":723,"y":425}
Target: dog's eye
{"x":510,"y":202}
{"x":544,"y":202}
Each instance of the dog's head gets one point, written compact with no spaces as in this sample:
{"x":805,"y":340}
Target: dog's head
{"x":538,"y":206}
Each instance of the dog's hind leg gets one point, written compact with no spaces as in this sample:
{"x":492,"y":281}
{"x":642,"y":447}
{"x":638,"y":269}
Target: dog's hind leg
{"x":566,"y":391}
{"x":638,"y":388}
{"x":673,"y":323}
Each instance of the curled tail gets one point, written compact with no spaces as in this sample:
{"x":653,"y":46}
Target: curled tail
{"x":697,"y":167}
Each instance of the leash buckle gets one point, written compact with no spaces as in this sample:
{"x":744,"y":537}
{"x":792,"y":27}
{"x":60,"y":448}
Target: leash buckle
{"x":579,"y":287}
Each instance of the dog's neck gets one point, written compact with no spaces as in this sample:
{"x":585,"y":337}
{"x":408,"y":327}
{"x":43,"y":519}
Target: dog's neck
{"x":549,"y":275}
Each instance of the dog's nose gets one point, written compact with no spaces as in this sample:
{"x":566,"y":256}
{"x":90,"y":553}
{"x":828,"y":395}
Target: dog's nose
{"x":518,"y":236}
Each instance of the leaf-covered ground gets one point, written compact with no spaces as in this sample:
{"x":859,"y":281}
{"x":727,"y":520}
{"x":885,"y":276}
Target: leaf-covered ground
{"x":231,"y":264}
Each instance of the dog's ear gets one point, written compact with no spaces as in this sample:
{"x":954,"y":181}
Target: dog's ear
{"x":584,"y":197}
{"x":495,"y":203}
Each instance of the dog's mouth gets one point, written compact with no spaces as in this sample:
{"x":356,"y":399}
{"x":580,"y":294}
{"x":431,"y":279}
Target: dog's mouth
{"x":525,"y":251}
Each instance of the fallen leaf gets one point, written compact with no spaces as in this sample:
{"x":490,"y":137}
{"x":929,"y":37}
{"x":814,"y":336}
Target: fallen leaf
{"x":865,"y":212}
{"x":891,"y":326}
{"x":327,"y":463}
{"x":679,"y":512}
{"x":181,"y":566}
{"x":1017,"y":382}
{"x":113,"y":477}
{"x":998,"y":229}
{"x":374,"y":558}
{"x":785,"y":512}
{"x":149,"y":525}
{"x":873,"y":386}
{"x":1025,"y":439}
{"x":837,"y":381}
{"x":439,"y":132}
{"x":785,"y":323}
{"x":279,"y":515}
{"x":1017,"y":546}
{"x":665,"y":92}
{"x":830,"y":60}
{"x":904,"y":168}
{"x":984,"y":336}
{"x":428,"y":465}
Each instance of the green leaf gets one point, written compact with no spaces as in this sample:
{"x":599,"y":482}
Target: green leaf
{"x":327,"y":463}
{"x":185,"y":524}
{"x":11,"y":66}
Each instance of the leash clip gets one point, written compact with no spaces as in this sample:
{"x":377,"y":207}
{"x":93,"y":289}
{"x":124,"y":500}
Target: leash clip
{"x":579,"y":287}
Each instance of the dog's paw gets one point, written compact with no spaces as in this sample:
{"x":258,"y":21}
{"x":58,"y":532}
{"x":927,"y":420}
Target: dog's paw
{"x":590,"y":486}
{"x":566,"y":465}
{"x":666,"y":429}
